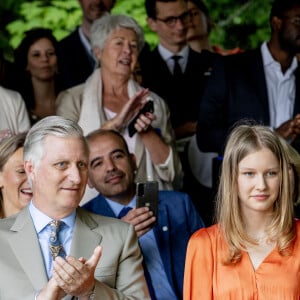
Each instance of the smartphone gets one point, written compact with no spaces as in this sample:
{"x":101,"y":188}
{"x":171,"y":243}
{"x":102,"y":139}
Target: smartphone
{"x":148,"y":107}
{"x":147,"y":195}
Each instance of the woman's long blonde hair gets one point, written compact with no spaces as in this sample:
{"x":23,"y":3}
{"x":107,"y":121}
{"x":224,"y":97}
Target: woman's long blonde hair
{"x":243,"y":140}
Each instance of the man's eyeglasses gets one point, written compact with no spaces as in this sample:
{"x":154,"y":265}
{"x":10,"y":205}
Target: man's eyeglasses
{"x":171,"y":21}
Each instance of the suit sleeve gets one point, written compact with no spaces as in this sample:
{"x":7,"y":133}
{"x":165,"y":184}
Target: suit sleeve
{"x":130,"y":280}
{"x":198,"y":274}
{"x":212,"y":125}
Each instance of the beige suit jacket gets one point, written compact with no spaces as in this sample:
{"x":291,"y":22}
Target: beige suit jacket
{"x":13,"y":113}
{"x":119,"y":274}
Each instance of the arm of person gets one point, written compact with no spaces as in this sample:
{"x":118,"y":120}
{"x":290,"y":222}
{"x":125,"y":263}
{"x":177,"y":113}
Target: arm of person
{"x":128,"y":111}
{"x":68,"y":103}
{"x":199,"y":267}
{"x":79,"y":277}
{"x":141,"y":219}
{"x":165,"y":158}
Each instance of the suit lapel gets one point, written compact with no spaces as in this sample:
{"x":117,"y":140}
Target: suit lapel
{"x":103,"y":208}
{"x":85,"y":240}
{"x":258,"y":74}
{"x":26,"y":247}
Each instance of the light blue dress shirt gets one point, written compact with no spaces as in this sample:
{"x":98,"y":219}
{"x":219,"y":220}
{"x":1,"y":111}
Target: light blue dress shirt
{"x":41,"y":221}
{"x":152,"y":258}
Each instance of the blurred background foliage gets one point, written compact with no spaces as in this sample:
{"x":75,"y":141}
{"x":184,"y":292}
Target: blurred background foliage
{"x":237,"y":23}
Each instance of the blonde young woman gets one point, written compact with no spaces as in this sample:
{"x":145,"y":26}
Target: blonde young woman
{"x":253,"y":252}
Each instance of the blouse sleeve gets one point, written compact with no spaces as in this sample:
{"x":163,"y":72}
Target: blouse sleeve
{"x":198,"y":275}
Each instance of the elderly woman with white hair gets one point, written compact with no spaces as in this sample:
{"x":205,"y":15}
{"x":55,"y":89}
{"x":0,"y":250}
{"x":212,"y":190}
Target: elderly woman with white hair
{"x":110,"y":98}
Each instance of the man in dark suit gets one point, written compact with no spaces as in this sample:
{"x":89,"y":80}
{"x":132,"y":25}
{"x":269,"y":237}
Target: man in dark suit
{"x":111,"y":172}
{"x":54,"y":250}
{"x":261,"y":84}
{"x":169,"y":19}
{"x":178,"y":74}
{"x":76,"y":60}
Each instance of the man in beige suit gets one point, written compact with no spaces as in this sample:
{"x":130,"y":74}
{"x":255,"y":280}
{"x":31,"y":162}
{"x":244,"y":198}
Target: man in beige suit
{"x":100,"y":259}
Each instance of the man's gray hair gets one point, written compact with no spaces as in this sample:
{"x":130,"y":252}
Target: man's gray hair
{"x":53,"y":125}
{"x":105,"y":25}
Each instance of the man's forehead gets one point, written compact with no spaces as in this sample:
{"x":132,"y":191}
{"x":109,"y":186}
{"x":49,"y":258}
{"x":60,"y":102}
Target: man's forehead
{"x":172,"y":8}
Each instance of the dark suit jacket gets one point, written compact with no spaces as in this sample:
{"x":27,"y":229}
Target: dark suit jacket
{"x":75,"y":65}
{"x":119,"y":273}
{"x":236,"y":90}
{"x":177,"y":220}
{"x":182,"y":96}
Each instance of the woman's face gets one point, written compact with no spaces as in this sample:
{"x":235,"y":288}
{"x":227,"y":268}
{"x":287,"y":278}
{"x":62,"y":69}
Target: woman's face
{"x":15,"y":189}
{"x":258,"y":181}
{"x":198,"y":25}
{"x":42,"y":60}
{"x":120,"y":52}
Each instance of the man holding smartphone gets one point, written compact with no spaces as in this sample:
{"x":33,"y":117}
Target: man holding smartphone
{"x":112,"y":173}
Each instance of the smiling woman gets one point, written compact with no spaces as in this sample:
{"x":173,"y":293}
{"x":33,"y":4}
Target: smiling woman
{"x":110,"y":98}
{"x":15,"y":191}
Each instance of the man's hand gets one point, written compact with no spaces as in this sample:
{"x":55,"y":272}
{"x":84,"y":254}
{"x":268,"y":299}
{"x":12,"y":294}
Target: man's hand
{"x":51,"y":291}
{"x":141,"y":218}
{"x":76,"y":276}
{"x":286,"y":131}
{"x":290,"y":129}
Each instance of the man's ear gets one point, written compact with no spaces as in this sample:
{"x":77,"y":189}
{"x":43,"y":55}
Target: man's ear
{"x":152,"y":24}
{"x":29,"y":169}
{"x":276,"y":23}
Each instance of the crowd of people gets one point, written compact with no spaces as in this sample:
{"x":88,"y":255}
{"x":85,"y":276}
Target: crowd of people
{"x":221,"y":140}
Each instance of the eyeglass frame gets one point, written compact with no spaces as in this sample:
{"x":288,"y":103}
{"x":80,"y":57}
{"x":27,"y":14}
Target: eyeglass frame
{"x":172,"y":20}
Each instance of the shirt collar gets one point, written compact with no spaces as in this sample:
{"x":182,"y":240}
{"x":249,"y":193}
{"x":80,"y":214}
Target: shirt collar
{"x":166,"y":54}
{"x":40,"y":220}
{"x":117,"y":207}
{"x":268,"y":59}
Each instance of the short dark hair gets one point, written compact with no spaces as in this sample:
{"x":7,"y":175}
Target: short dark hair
{"x":106,"y":132}
{"x":279,"y":7}
{"x":150,"y":6}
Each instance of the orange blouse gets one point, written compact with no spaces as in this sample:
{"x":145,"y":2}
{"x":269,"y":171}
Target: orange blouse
{"x":276,"y":278}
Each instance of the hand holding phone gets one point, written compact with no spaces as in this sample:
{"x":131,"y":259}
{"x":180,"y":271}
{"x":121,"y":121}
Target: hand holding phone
{"x":148,"y":107}
{"x":147,"y":195}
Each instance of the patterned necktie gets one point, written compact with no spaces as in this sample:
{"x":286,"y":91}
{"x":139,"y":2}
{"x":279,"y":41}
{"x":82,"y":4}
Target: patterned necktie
{"x":56,"y":248}
{"x":177,"y":72}
{"x":124,"y":211}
